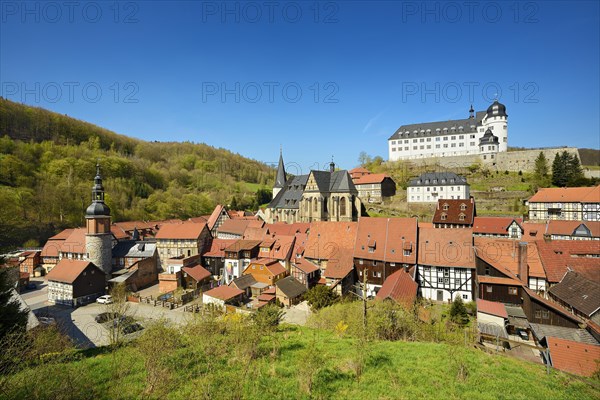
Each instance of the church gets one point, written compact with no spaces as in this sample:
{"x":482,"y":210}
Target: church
{"x":317,"y":196}
{"x":484,"y":133}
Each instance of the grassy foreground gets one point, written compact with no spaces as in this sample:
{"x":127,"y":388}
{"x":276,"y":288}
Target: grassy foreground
{"x":291,"y":363}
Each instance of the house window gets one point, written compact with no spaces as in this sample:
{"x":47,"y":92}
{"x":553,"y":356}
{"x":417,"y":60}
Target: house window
{"x":392,"y":264}
{"x":465,"y":297}
{"x":371,"y":250}
{"x":457,"y":282}
{"x":440,"y":280}
{"x":545,"y":314}
{"x":487,"y":270}
{"x":360,"y":261}
{"x":407,"y":252}
{"x":488,"y":288}
{"x":538,"y":314}
{"x":379,"y":274}
{"x":374,"y":274}
{"x":343,"y":206}
{"x":374,"y":263}
{"x":443,"y":217}
{"x":445,"y":206}
{"x":512,"y":290}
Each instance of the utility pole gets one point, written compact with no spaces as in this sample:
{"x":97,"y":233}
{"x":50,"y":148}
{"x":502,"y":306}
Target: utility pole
{"x":364,"y":299}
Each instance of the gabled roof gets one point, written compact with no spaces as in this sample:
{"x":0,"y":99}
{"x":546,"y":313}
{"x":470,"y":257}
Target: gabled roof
{"x":218,"y":246}
{"x":62,"y":235}
{"x":576,"y":358}
{"x":280,"y":247}
{"x":450,"y":211}
{"x":502,"y":254}
{"x":75,"y":243}
{"x":575,"y":334}
{"x":567,"y":195}
{"x":224,"y":293}
{"x":573,"y":228}
{"x":273,"y":266}
{"x":198,"y":273}
{"x":329,"y":182}
{"x":291,"y":194}
{"x":492,"y":308}
{"x":67,"y":271}
{"x":446,"y":247}
{"x":494,"y":280}
{"x":214,"y":216}
{"x":133,"y":249}
{"x":495,"y":225}
{"x":438,"y":179}
{"x":385,"y":239}
{"x":304,"y":265}
{"x":469,"y":126}
{"x":239,"y":226}
{"x":557,"y":308}
{"x":290,"y":287}
{"x":579,"y":255}
{"x":370,"y":179}
{"x":183,"y":230}
{"x":399,"y":287}
{"x":578,"y":292}
{"x":282,"y":228}
{"x":243,"y":282}
{"x":241,"y":245}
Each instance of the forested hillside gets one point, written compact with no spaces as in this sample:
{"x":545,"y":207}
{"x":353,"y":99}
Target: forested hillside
{"x":47,"y":163}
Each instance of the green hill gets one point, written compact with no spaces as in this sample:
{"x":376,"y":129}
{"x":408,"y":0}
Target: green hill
{"x":47,"y":163}
{"x":233,"y":361}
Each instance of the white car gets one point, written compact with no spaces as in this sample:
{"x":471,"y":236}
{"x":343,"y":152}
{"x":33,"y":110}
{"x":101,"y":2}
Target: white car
{"x":106,"y":299}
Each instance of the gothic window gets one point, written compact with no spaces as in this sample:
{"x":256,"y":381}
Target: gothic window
{"x":315,"y":205}
{"x":343,"y":206}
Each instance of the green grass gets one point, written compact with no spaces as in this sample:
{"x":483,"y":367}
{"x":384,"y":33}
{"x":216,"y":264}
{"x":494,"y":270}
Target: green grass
{"x":393,"y":370}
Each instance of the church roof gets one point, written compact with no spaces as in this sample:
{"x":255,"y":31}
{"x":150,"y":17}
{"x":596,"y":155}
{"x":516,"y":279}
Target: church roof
{"x":337,"y":181}
{"x":280,"y":178}
{"x":291,"y":194}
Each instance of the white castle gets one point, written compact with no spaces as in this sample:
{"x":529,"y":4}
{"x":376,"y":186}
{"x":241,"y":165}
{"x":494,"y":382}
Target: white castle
{"x":484,"y":133}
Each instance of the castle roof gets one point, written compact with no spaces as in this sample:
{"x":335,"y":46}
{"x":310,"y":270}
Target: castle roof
{"x":439,"y":128}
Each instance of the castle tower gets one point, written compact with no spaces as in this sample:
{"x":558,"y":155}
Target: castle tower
{"x":496,"y":120}
{"x":280,"y":178}
{"x":98,"y":238}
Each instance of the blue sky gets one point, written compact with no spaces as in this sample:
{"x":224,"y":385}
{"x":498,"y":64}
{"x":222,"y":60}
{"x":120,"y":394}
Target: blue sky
{"x":319,"y":79}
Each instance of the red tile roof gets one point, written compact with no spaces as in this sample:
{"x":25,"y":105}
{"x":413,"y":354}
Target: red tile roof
{"x":280,"y":249}
{"x":494,"y":225}
{"x":184,"y":230}
{"x":224,"y":292}
{"x":305,"y":266}
{"x":494,"y":280}
{"x":236,"y":226}
{"x":198,"y":273}
{"x":75,"y":243}
{"x":573,"y":357}
{"x":453,"y":213}
{"x":214,"y":216}
{"x":492,"y":308}
{"x":533,"y":230}
{"x":51,"y":248}
{"x":218,"y":246}
{"x":266,"y":297}
{"x":359,"y":170}
{"x":241,"y":244}
{"x":62,"y":235}
{"x":370,"y":178}
{"x":502,"y":254}
{"x":446,"y":247}
{"x":567,"y":228}
{"x":281,"y":228}
{"x":273,"y":266}
{"x":334,"y":242}
{"x":579,"y":255}
{"x":566,"y":195}
{"x":386,"y":239}
{"x":399,"y":287}
{"x":67,"y":271}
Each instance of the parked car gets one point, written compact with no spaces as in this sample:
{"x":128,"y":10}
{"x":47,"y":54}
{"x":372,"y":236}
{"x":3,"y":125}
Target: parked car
{"x":106,"y":316}
{"x":106,"y":299}
{"x":127,"y":329}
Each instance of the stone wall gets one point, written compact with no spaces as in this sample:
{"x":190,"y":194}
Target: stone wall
{"x":522,"y":160}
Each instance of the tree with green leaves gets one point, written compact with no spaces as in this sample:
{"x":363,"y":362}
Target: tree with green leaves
{"x":541,"y":166}
{"x":320,"y":296}
{"x":12,"y":317}
{"x":566,"y":170}
{"x":458,"y":311}
{"x":559,"y":171}
{"x":267,"y":318}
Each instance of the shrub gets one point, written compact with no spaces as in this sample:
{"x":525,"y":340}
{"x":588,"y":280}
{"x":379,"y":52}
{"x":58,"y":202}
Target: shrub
{"x":268,"y":317}
{"x":320,"y":296}
{"x":458,"y":311}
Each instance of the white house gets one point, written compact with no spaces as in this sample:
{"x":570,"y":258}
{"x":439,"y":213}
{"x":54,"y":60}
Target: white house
{"x":484,"y":133}
{"x":432,"y":186}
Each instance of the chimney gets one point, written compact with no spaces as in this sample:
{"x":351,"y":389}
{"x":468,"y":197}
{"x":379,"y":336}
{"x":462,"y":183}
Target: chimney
{"x":522,"y":260}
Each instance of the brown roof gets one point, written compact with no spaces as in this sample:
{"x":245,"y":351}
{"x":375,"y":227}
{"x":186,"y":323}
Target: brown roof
{"x":360,"y":170}
{"x":129,"y":226}
{"x":118,"y":232}
{"x":494,"y":225}
{"x":492,"y":308}
{"x":198,"y":273}
{"x":62,"y":235}
{"x":280,"y":248}
{"x":75,"y":243}
{"x":580,"y":255}
{"x":184,"y":230}
{"x":236,"y":226}
{"x":214,"y":216}
{"x":502,"y":254}
{"x":566,"y":195}
{"x":241,"y":244}
{"x":218,"y":246}
{"x":386,"y":239}
{"x":454,"y":211}
{"x":578,"y":292}
{"x":224,"y":292}
{"x":399,"y":287}
{"x":370,"y":178}
{"x":305,"y":266}
{"x":574,"y":357}
{"x":556,"y":307}
{"x":273,"y":266}
{"x":446,"y":247}
{"x":533,"y":230}
{"x":51,"y":248}
{"x":67,"y":271}
{"x":266,"y":297}
{"x":281,"y":228}
{"x":334,"y":242}
{"x":567,"y":228}
{"x":494,"y":280}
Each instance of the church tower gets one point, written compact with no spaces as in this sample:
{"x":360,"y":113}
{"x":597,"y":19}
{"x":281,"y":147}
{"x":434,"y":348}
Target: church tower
{"x":280,"y":178}
{"x":98,"y":238}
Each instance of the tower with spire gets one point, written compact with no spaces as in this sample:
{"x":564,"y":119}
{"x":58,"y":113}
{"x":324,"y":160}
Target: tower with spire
{"x":280,"y":178}
{"x":98,"y":238}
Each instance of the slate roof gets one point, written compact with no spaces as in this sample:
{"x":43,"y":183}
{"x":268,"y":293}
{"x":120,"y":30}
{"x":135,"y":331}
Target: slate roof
{"x":337,"y":181}
{"x":575,"y":334}
{"x":281,"y":177}
{"x":133,"y":249}
{"x":573,"y":357}
{"x":438,"y":179}
{"x":469,"y":126}
{"x":453,"y":213}
{"x":549,"y":304}
{"x":578,"y":292}
{"x":67,"y":270}
{"x":290,"y":287}
{"x":243,"y":282}
{"x":399,"y":287}
{"x":291,"y":194}
{"x":492,"y":308}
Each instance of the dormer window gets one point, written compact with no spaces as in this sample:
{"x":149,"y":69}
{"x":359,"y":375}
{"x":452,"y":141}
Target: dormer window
{"x":461,"y":217}
{"x":445,"y":206}
{"x":443,"y":217}
{"x":463,"y":207}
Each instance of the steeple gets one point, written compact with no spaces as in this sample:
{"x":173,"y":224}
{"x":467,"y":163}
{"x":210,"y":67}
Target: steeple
{"x":98,"y":238}
{"x":331,"y":165}
{"x":280,"y":178}
{"x":471,"y":112}
{"x":97,"y":208}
